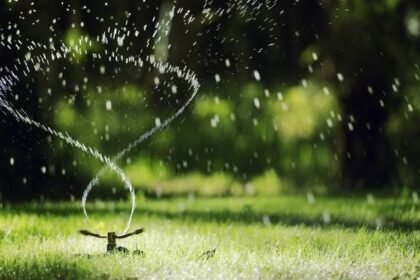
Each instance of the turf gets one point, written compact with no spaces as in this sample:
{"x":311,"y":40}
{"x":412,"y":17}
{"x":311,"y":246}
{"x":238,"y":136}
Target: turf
{"x":288,"y":237}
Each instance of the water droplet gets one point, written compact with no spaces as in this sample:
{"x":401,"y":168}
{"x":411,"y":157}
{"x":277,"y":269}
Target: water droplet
{"x":215,"y":121}
{"x":410,"y":108}
{"x":257,"y":75}
{"x":108,"y":105}
{"x":120,"y":41}
{"x":174,"y":89}
{"x":156,"y":80}
{"x":381,"y":103}
{"x":217,"y":78}
{"x":330,"y":123}
{"x":257,"y":103}
{"x":158,"y":122}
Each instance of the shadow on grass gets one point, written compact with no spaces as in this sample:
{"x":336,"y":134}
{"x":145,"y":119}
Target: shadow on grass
{"x":249,"y":217}
{"x":246,"y":216}
{"x":47,"y":268}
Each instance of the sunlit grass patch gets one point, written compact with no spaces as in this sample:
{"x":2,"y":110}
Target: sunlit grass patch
{"x":277,"y":237}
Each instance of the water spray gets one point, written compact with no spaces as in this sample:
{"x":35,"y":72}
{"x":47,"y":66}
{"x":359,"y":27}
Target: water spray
{"x":37,"y":62}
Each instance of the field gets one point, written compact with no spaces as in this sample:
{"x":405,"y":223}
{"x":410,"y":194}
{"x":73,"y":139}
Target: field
{"x":284,"y":237}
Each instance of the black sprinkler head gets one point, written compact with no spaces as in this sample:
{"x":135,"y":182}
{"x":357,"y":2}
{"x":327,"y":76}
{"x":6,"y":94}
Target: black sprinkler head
{"x":112,"y":240}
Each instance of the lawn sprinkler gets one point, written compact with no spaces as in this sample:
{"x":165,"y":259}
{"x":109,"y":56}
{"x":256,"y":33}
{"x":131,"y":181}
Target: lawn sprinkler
{"x":112,"y":237}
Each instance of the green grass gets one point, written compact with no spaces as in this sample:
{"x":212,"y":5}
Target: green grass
{"x":262,"y":237}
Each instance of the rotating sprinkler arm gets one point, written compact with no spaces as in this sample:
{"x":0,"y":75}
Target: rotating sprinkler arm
{"x":88,"y":233}
{"x":136,"y":232}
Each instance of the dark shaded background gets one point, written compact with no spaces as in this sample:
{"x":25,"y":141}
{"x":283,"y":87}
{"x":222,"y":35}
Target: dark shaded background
{"x":338,"y":99}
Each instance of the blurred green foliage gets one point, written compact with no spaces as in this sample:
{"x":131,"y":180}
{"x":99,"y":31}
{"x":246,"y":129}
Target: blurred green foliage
{"x":334,"y":102}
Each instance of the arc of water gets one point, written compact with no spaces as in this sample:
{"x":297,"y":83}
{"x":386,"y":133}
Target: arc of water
{"x":7,"y":83}
{"x":189,"y":77}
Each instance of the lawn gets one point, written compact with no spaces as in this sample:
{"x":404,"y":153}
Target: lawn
{"x":282,"y":237}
